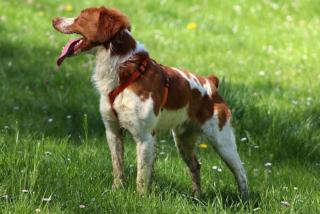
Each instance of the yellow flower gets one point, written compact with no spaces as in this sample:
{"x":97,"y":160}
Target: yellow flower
{"x":192,"y":26}
{"x":203,"y":146}
{"x":40,"y":13}
{"x":68,"y":8}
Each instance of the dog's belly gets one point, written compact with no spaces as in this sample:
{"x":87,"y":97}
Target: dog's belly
{"x":169,"y":119}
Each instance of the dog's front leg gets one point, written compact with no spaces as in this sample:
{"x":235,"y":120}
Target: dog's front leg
{"x":145,"y":158}
{"x":115,"y":144}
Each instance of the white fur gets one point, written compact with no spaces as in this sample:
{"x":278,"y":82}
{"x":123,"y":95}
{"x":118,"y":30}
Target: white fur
{"x":105,"y":76}
{"x":207,"y":86}
{"x":135,"y":115}
{"x":171,"y":119}
{"x":193,"y":82}
{"x":65,"y":23}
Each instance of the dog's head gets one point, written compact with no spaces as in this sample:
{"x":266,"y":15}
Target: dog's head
{"x":97,"y":26}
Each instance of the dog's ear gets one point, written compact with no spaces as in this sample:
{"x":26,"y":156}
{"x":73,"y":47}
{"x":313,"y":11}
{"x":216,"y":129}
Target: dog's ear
{"x":111,"y":21}
{"x":104,"y":26}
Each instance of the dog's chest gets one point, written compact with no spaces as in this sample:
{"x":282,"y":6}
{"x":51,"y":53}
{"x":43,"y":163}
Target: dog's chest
{"x":105,"y":76}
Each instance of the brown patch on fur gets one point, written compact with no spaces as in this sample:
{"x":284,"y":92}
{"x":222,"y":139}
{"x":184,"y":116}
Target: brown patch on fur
{"x":214,"y":80}
{"x":221,"y":109}
{"x":149,"y":83}
{"x":122,"y":43}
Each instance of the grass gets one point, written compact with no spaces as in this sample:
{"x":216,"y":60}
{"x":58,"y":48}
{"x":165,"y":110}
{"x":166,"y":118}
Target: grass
{"x":52,"y":140}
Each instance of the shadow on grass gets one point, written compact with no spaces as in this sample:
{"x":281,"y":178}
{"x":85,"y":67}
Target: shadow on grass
{"x":225,"y":197}
{"x":42,"y":100}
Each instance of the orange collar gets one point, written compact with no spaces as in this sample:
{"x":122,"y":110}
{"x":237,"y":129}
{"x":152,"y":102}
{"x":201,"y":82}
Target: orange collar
{"x":142,"y":68}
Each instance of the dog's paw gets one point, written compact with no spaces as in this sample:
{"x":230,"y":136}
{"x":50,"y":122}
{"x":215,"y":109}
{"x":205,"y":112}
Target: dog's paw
{"x":117,"y":184}
{"x":196,"y":194}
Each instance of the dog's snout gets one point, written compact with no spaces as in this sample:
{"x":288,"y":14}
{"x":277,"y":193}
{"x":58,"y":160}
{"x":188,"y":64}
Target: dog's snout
{"x":56,"y":21}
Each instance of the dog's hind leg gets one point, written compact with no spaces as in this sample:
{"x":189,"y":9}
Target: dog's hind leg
{"x":185,"y":143}
{"x":223,"y":141}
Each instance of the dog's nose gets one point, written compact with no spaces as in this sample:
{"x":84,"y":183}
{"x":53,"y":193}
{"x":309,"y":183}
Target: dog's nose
{"x":56,"y":21}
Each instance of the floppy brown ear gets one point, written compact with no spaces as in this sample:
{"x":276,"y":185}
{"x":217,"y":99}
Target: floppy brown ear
{"x":111,"y":21}
{"x":104,"y":26}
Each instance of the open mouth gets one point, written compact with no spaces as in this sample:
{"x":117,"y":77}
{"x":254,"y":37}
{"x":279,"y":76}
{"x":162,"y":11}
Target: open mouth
{"x":71,"y":48}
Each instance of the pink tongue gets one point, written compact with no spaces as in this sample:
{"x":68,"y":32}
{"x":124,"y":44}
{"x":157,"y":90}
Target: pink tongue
{"x":68,"y":50}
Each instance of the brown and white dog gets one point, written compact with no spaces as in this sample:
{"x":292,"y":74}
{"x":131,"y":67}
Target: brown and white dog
{"x":189,"y":106}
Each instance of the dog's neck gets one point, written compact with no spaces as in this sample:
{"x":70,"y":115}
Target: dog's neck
{"x":108,"y":59}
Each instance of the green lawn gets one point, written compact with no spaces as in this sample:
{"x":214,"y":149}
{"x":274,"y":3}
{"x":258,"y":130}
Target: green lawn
{"x":53,"y":153}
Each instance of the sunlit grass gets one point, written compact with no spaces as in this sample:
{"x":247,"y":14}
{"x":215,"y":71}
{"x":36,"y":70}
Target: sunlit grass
{"x":53,"y":154}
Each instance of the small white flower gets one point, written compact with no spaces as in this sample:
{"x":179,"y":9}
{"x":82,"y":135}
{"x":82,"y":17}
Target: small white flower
{"x":6,"y":127}
{"x":215,"y":168}
{"x":289,"y":18}
{"x":275,"y":6}
{"x":285,"y":203}
{"x":162,"y":153}
{"x":256,"y":209}
{"x":5,"y":196}
{"x":235,"y":29}
{"x":304,"y":57}
{"x":237,"y":9}
{"x":82,"y":206}
{"x":278,"y":73}
{"x":69,"y":117}
{"x":262,"y":73}
{"x":38,"y":210}
{"x":3,"y":18}
{"x":268,"y":164}
{"x":295,"y":102}
{"x":269,"y":49}
{"x":47,"y":153}
{"x":285,"y":188}
{"x":243,"y":139}
{"x":295,"y":188}
{"x":50,"y":120}
{"x":25,"y":191}
{"x":46,"y":199}
{"x":131,"y":165}
{"x":256,"y":146}
{"x":9,"y":64}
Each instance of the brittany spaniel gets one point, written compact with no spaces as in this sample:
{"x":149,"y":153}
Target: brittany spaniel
{"x":145,"y":98}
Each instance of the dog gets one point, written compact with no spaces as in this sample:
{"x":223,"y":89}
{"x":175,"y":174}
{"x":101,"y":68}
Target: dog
{"x":145,"y":98}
